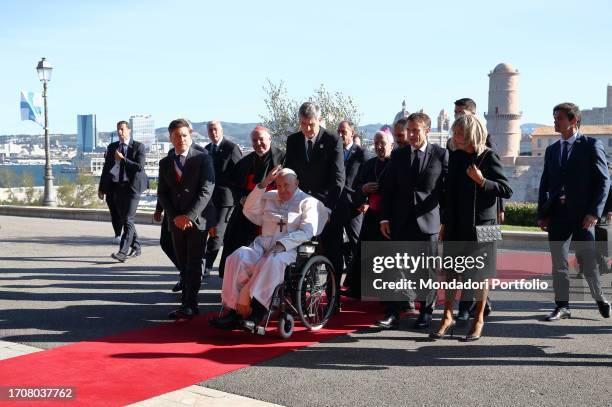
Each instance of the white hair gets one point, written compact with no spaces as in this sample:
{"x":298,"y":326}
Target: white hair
{"x":287,"y":171}
{"x":386,"y":136}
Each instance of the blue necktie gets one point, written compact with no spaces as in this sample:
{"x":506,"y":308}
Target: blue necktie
{"x":564,"y":155}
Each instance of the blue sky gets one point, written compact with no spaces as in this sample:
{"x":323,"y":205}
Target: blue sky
{"x":206,"y":60}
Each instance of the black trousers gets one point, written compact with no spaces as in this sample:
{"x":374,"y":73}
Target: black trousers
{"x":214,"y":243}
{"x":126,"y":202}
{"x":331,"y":242}
{"x":370,"y":232}
{"x":165,"y":242}
{"x":352,"y":228}
{"x":188,"y":248}
{"x":114,"y":213}
{"x":239,"y":232}
{"x":428,"y":245}
{"x":562,"y":232}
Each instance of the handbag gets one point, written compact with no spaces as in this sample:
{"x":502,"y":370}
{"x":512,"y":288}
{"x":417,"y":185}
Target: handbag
{"x":485,"y":233}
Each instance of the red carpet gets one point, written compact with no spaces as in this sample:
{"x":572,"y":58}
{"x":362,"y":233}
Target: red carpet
{"x":138,"y":365}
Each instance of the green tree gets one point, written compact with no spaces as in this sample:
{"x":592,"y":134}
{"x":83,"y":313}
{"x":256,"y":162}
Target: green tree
{"x":282,"y":111}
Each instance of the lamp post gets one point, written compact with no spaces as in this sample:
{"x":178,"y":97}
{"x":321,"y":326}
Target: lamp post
{"x":44,"y":69}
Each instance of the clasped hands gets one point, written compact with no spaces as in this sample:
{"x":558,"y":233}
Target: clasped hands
{"x":182,"y":222}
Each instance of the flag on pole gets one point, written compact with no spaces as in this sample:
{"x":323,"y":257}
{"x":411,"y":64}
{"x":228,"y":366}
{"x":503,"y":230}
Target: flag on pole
{"x":31,"y":107}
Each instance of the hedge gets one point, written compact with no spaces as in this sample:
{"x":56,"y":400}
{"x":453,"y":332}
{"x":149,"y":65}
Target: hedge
{"x":520,"y":213}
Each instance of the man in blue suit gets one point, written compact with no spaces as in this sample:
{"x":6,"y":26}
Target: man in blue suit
{"x":573,"y":191}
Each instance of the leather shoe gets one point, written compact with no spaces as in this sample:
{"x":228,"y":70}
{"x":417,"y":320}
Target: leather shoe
{"x":559,"y":313}
{"x":390,"y":322}
{"x":121,"y":257}
{"x":604,"y":308}
{"x":183,"y":312}
{"x":423,"y":321}
{"x":135,"y":252}
{"x":487,"y":309}
{"x":228,"y":321}
{"x":178,"y":286}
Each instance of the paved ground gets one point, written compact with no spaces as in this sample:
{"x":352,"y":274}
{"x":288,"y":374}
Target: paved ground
{"x":58,"y":285}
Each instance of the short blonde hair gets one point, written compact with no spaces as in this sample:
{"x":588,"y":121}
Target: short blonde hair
{"x":474,"y":131}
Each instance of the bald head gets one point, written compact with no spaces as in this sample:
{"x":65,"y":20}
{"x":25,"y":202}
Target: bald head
{"x":261,"y":140}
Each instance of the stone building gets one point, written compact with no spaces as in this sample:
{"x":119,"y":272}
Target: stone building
{"x":599,"y":115}
{"x":542,"y":137}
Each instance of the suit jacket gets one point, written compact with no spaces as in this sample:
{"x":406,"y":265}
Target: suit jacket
{"x":134,"y":167}
{"x":367,"y":173}
{"x":190,"y":196}
{"x":422,"y":199}
{"x":586,"y":179}
{"x":238,"y":178}
{"x":224,"y":160}
{"x":355,"y":160}
{"x":460,"y":213}
{"x":323,"y":175}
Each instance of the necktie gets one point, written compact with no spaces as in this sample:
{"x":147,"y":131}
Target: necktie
{"x":416,"y":165}
{"x":122,"y":163}
{"x":179,"y":166}
{"x":564,"y":155}
{"x":309,"y":151}
{"x":213,"y":150}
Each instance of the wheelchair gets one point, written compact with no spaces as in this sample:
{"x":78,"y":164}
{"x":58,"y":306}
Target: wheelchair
{"x":308,"y":292}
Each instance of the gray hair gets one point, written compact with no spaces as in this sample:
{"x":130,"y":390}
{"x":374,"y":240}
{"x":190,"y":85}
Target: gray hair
{"x":210,"y":123}
{"x":310,"y":110}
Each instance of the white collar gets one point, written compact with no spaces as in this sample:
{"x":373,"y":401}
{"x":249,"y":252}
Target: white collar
{"x":570,"y":140}
{"x":220,"y":140}
{"x":347,"y":148}
{"x":422,"y":149}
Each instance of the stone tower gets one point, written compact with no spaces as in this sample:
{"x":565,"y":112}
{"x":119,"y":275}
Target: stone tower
{"x":503,"y":116}
{"x":443,"y":122}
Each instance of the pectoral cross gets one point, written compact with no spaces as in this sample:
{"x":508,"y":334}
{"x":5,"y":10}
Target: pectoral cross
{"x":281,"y":223}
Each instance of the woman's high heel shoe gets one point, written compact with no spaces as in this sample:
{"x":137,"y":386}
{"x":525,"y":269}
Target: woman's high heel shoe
{"x":472,"y":338}
{"x":440,"y":335}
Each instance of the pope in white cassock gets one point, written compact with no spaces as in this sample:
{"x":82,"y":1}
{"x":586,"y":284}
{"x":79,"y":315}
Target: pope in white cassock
{"x":288,"y":217}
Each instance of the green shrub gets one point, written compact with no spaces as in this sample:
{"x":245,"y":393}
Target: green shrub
{"x":521,"y":213}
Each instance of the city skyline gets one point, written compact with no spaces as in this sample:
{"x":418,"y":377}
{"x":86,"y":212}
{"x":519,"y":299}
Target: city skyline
{"x":126,"y":58}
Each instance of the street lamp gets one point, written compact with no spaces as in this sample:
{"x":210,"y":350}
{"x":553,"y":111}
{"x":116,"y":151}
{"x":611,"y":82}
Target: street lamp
{"x":44,"y":69}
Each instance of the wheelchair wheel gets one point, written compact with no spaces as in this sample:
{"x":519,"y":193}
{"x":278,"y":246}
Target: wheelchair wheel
{"x":316,"y":293}
{"x":285,"y":325}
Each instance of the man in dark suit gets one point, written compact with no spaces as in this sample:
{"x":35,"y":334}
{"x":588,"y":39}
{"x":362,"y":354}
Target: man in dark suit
{"x":573,"y":191}
{"x":346,"y":211}
{"x":412,"y":194}
{"x":165,"y":237}
{"x":186,"y":183}
{"x":225,"y":155}
{"x":316,"y":156}
{"x":114,"y":213}
{"x":124,"y":174}
{"x":248,"y":172}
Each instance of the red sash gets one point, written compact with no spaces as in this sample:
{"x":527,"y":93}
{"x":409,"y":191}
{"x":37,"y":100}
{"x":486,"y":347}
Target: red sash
{"x":375,"y":201}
